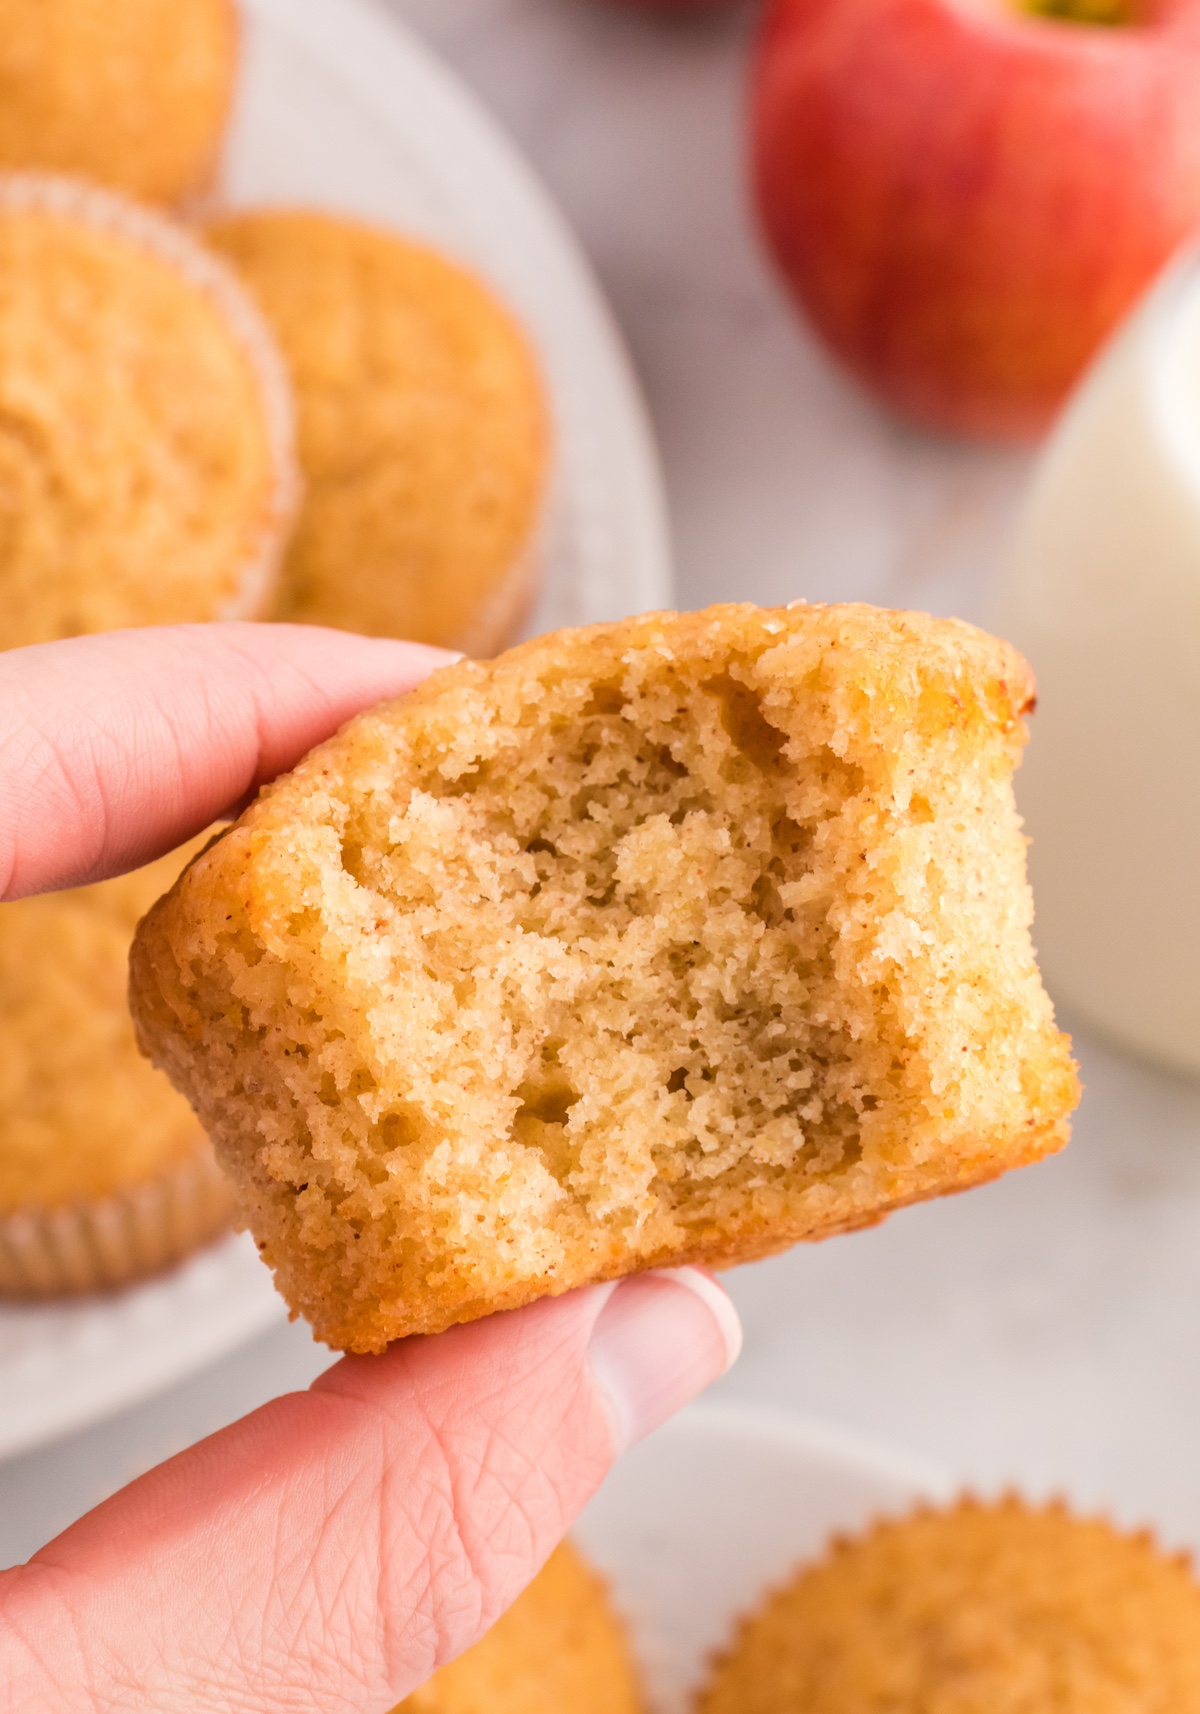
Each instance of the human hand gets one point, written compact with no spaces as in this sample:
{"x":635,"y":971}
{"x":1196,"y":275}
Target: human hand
{"x":331,"y":1550}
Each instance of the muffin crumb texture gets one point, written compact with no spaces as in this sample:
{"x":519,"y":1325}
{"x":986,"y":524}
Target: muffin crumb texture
{"x":674,"y":940}
{"x":558,"y":1648}
{"x":981,"y":1609}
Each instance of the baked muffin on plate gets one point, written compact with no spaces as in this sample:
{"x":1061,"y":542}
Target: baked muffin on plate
{"x":558,"y":1650}
{"x":146,"y":465}
{"x":675,"y":940}
{"x":105,"y":1174}
{"x":129,"y":93}
{"x":422,"y":431}
{"x":979,"y":1609}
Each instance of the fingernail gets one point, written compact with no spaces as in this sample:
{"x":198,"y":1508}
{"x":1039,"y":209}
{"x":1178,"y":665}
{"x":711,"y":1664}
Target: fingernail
{"x":660,"y":1339}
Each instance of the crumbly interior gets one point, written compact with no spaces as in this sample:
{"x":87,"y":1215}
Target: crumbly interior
{"x":133,"y":95}
{"x":993,"y":1609}
{"x":558,"y":1647}
{"x":81,"y":1113}
{"x":136,"y":470}
{"x":422,"y":431}
{"x":678,"y":939}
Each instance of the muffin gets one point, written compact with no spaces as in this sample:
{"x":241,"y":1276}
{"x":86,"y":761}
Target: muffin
{"x":104,"y":1172}
{"x":129,"y":93}
{"x":982,"y":1609}
{"x":422,"y":432}
{"x":675,"y":940}
{"x":558,"y":1648}
{"x":146,"y":469}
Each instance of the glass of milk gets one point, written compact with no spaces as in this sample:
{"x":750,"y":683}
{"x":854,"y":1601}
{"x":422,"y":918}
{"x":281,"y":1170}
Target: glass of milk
{"x":1103,"y":596}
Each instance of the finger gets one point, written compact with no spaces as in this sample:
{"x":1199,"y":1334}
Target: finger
{"x":333,"y":1549}
{"x":114,"y":749}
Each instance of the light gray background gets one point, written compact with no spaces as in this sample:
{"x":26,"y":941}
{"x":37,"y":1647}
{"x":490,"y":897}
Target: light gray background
{"x":1044,"y":1331}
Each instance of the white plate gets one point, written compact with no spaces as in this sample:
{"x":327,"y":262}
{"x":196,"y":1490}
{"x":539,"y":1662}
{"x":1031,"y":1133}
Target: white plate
{"x":698,"y":1522}
{"x":340,"y":107}
{"x":64,"y":1365}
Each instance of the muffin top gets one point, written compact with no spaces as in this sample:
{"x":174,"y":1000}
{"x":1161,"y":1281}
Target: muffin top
{"x":422,"y":431}
{"x":130,"y":93}
{"x":81,"y":1112}
{"x":144,"y":422}
{"x":558,"y":1648}
{"x":980,"y":1609}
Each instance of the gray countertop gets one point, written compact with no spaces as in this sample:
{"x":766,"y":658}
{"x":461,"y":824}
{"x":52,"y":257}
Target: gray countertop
{"x":1044,"y":1331}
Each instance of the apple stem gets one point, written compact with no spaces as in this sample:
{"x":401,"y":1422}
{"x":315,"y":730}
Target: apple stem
{"x":1103,"y":12}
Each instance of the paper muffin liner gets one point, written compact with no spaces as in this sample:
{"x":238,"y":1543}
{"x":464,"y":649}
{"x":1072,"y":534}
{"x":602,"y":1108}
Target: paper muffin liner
{"x":502,"y":615}
{"x":108,"y":211}
{"x":496,"y":623}
{"x":499,"y":619}
{"x":129,"y":1235}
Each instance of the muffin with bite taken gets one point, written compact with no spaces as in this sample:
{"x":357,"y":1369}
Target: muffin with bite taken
{"x":675,"y":940}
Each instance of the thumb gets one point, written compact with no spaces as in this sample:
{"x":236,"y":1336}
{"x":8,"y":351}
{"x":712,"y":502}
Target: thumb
{"x":334,"y":1548}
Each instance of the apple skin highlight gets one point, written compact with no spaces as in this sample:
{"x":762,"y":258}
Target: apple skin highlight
{"x":965,"y":198}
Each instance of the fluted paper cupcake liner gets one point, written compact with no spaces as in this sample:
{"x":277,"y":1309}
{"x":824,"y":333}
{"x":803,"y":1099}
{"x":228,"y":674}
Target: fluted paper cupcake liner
{"x":496,"y":624}
{"x":96,"y":1246}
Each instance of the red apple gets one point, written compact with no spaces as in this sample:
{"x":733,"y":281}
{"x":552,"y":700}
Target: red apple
{"x":965,"y":197}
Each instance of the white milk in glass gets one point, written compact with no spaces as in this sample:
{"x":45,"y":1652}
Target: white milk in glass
{"x":1103,"y":596}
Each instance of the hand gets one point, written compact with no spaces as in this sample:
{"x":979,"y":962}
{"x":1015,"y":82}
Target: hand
{"x":333,"y":1549}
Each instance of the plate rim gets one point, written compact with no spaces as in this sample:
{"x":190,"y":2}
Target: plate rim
{"x":840,"y":1479}
{"x":798,"y":1431}
{"x":131,"y":1380}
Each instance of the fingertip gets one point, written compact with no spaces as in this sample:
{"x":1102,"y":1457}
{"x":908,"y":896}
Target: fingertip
{"x":383,"y":666}
{"x":661,"y":1338}
{"x":121,"y":746}
{"x":720,"y":1305}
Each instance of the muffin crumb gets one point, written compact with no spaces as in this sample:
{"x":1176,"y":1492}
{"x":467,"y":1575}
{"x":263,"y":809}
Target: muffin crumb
{"x":679,"y":939}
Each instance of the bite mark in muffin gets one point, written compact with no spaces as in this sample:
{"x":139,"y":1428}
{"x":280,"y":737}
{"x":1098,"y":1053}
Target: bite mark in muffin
{"x":675,"y":940}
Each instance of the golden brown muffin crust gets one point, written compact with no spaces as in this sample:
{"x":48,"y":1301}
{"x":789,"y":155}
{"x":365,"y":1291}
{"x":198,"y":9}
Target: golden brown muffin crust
{"x":981,"y":1609}
{"x":679,"y":939}
{"x":422,"y":430}
{"x":82,"y":1115}
{"x":142,"y":452}
{"x":558,"y":1650}
{"x":130,"y":93}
